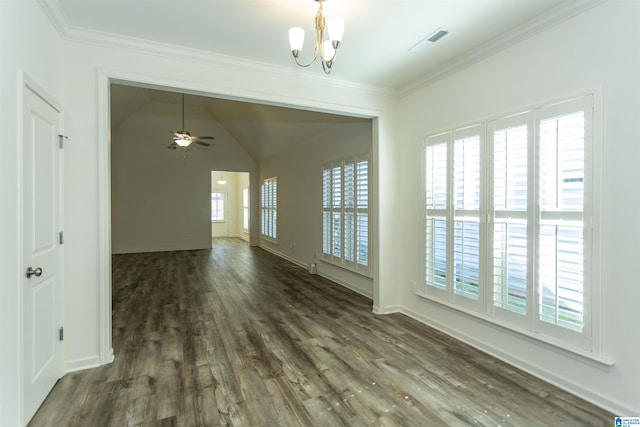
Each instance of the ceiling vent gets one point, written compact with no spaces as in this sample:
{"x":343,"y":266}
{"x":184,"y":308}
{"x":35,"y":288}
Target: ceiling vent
{"x":437,"y":35}
{"x":430,"y":39}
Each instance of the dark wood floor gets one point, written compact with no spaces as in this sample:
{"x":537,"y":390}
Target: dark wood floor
{"x":236,"y":336}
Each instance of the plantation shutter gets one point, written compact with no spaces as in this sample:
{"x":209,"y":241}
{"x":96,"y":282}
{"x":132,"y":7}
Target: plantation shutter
{"x":362,"y":211}
{"x":509,"y":212}
{"x":345,"y":214}
{"x":561,"y":174}
{"x":269,"y":206}
{"x":436,"y":189}
{"x":466,"y":214}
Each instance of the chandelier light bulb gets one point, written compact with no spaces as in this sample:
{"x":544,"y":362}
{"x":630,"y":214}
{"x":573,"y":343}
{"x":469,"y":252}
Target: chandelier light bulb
{"x":296,"y":38}
{"x":336,"y":29}
{"x":329,"y":53}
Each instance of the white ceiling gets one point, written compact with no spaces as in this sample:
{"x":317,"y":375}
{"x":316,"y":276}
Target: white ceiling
{"x":375,"y":47}
{"x":375,"y":50}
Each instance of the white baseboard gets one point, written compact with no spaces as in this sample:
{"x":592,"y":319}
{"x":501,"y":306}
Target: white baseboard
{"x":363,"y":292}
{"x":535,"y":370}
{"x":82,"y":364}
{"x":163,"y":249}
{"x":284,"y":256}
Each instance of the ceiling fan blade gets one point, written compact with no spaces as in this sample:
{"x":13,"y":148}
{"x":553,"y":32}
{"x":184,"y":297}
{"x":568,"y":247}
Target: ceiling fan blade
{"x":204,"y":137}
{"x":172,"y":146}
{"x":204,"y":144}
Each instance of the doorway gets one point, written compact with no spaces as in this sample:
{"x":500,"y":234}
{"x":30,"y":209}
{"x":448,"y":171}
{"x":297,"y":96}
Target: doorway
{"x":230,"y":204}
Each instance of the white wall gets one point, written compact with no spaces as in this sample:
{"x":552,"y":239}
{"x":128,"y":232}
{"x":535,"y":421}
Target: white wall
{"x":86,"y":66}
{"x":299,"y":173}
{"x":28,"y":42}
{"x":597,"y":49}
{"x":161,"y":198}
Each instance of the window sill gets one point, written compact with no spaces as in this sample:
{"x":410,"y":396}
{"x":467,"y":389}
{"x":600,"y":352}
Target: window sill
{"x":550,"y":343}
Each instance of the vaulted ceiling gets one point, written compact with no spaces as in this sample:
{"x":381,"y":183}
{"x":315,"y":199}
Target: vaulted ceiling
{"x":262,"y":130}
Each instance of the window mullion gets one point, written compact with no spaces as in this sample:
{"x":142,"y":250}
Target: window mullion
{"x":342,"y":213}
{"x":533,"y":221}
{"x":450,"y":223}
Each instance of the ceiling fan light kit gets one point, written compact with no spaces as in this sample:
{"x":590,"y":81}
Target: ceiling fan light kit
{"x":184,"y":139}
{"x":326,"y":49}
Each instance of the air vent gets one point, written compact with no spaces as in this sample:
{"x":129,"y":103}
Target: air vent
{"x":437,"y":35}
{"x":430,"y":39}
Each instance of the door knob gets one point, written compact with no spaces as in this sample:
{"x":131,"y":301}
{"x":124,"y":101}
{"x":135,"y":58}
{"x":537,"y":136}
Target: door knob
{"x":31,"y":272}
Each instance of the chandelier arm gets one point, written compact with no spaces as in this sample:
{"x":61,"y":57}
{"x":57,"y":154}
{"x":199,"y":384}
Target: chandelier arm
{"x":316,"y":50}
{"x":326,"y":66}
{"x":304,"y":65}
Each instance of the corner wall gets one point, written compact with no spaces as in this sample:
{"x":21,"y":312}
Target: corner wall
{"x":299,"y":172}
{"x":160,"y":198}
{"x":29,"y":44}
{"x":581,"y":54}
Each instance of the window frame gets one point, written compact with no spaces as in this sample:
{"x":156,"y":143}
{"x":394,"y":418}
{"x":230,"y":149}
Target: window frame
{"x":245,"y":210}
{"x":335,"y":207}
{"x":223,"y":202}
{"x":531,"y":324}
{"x":269,"y":209}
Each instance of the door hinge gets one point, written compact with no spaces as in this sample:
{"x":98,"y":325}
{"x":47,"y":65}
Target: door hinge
{"x":61,"y":237}
{"x":61,"y":334}
{"x":61,"y":140}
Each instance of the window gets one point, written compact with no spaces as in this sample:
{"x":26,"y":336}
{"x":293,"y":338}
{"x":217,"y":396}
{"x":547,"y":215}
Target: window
{"x":345,"y":214}
{"x":245,"y":209}
{"x":269,"y":208}
{"x":505,"y":220}
{"x":217,"y":206}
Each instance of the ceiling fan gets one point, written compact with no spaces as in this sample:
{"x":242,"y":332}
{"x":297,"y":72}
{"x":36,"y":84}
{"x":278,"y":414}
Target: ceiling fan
{"x":183,"y":139}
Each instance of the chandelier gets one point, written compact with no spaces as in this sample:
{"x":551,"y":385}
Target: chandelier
{"x":326,"y":49}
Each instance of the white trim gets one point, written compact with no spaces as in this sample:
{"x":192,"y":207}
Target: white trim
{"x":284,"y":256}
{"x":105,"y":348}
{"x":553,"y":17}
{"x":557,"y":345}
{"x":133,"y":44}
{"x":108,"y":76}
{"x":160,"y":249}
{"x":538,"y":371}
{"x":84,"y":363}
{"x":334,"y":279}
{"x":587,"y":343}
{"x":363,"y":292}
{"x":21,"y":86}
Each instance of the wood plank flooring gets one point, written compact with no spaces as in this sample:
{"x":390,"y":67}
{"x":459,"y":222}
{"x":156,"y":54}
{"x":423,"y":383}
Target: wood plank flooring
{"x":236,"y":336}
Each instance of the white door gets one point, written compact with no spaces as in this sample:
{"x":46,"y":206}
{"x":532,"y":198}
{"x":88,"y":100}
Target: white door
{"x":42,"y":251}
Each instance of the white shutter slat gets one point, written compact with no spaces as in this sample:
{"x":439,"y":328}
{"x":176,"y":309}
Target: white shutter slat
{"x":466,"y":221}
{"x":510,"y":203}
{"x":436,"y":182}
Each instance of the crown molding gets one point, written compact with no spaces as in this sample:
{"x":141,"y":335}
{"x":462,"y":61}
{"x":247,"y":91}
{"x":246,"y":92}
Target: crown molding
{"x":80,"y":35}
{"x":545,"y":21}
